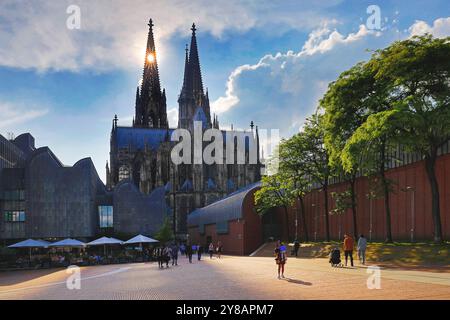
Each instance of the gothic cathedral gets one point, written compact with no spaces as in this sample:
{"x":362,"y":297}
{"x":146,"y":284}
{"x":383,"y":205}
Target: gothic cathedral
{"x":142,"y":152}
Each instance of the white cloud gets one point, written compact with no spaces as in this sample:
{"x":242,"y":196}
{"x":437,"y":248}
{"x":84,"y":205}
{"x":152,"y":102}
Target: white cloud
{"x":278,"y":83}
{"x":282,"y":89}
{"x":440,"y":28}
{"x":172,"y":117}
{"x":13,"y":115}
{"x":35,"y":36}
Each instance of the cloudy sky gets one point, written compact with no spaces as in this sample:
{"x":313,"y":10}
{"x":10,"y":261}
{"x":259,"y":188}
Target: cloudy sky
{"x":266,"y":61}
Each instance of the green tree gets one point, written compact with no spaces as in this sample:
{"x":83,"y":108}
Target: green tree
{"x":292,"y":166}
{"x":370,"y":142}
{"x":347,"y":104}
{"x":165,"y":233}
{"x":417,"y":71}
{"x":343,"y":201}
{"x":275,"y":191}
{"x":316,"y":159}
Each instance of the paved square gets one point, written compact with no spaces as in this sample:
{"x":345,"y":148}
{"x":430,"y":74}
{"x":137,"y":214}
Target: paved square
{"x":228,"y":278}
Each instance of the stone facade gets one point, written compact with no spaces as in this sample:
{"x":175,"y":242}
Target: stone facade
{"x":142,"y":152}
{"x":42,"y":198}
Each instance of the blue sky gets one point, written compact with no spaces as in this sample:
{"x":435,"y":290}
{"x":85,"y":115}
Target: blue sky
{"x":266,"y":61}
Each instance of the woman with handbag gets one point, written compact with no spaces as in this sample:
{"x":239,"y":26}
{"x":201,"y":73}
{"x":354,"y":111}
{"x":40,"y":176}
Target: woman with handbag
{"x":280,"y":258}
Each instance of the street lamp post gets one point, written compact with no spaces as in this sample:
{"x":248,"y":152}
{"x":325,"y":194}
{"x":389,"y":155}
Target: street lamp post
{"x":296,"y":228}
{"x":413,"y":213}
{"x":340,"y":226}
{"x":315,"y":222}
{"x":370,"y":219}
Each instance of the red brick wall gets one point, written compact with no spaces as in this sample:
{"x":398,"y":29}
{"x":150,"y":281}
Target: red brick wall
{"x":244,"y":235}
{"x":413,"y":175}
{"x":233,"y":242}
{"x":252,"y":225}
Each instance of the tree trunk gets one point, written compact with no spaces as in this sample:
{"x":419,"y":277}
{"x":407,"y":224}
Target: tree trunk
{"x":327,"y":223}
{"x":430,"y":166}
{"x":385,"y":186}
{"x":305,"y":226}
{"x":286,"y":214}
{"x":353,"y":195}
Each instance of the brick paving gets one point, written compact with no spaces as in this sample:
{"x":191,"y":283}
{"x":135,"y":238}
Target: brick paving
{"x":228,"y":278}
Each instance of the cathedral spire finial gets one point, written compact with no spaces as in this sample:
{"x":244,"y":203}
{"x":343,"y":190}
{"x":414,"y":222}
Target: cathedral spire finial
{"x":186,"y":90}
{"x":194,"y":65}
{"x":151,"y":103}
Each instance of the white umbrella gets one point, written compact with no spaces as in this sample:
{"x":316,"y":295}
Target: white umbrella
{"x":103,"y":241}
{"x":29,"y":243}
{"x":140,"y":239}
{"x":68,"y":243}
{"x":116,"y":240}
{"x":45,"y":243}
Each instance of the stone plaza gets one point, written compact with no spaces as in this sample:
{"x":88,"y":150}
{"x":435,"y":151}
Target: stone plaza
{"x":230,"y":277}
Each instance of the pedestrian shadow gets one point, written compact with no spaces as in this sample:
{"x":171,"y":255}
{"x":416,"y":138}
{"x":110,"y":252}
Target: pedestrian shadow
{"x":305,"y":283}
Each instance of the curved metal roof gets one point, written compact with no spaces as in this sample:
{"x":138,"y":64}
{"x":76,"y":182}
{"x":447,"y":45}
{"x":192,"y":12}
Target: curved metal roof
{"x":226,"y":209}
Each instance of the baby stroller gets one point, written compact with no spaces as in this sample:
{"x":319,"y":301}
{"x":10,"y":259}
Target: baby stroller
{"x":335,"y":257}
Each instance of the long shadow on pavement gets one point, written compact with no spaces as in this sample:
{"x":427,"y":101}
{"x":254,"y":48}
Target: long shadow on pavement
{"x":305,"y":283}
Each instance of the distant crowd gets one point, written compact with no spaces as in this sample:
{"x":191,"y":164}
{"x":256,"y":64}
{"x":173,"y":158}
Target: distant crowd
{"x":168,"y":253}
{"x":280,"y":253}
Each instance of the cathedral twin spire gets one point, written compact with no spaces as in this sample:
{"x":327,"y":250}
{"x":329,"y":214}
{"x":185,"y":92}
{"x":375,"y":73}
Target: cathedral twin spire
{"x":150,"y":101}
{"x":151,"y":108}
{"x":192,"y":96}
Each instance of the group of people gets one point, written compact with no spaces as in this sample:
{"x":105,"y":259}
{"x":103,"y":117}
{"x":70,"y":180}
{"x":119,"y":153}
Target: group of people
{"x":163,"y":254}
{"x":281,"y":252}
{"x":349,"y":246}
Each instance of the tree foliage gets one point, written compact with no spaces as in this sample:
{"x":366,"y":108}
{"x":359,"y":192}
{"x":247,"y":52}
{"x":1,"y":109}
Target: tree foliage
{"x":165,"y":233}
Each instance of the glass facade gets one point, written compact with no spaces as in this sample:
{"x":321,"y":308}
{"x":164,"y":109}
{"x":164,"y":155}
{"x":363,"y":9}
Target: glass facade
{"x":14,"y":205}
{"x":105,"y":214}
{"x":14,"y":216}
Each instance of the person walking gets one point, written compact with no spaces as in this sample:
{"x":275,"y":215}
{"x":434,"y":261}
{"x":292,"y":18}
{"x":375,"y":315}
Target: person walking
{"x":211,"y":250}
{"x":158,"y":256}
{"x":189,"y":252}
{"x":166,"y":255}
{"x":219,"y":248}
{"x":199,"y":252}
{"x":280,"y":258}
{"x":296,"y":247}
{"x":362,"y":246}
{"x":183,"y":249}
{"x":348,"y":248}
{"x":174,"y":254}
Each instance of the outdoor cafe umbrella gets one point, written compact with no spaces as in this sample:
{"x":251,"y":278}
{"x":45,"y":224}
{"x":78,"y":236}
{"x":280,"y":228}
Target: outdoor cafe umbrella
{"x":71,"y":243}
{"x":140,"y":239}
{"x":30,"y":243}
{"x":103,"y":241}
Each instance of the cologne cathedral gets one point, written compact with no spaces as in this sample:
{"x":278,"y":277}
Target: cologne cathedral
{"x":142,"y":152}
